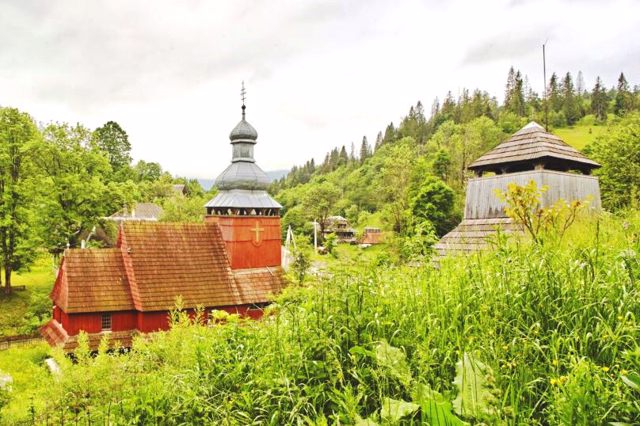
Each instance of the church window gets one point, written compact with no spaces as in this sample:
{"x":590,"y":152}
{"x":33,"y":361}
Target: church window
{"x":106,"y":321}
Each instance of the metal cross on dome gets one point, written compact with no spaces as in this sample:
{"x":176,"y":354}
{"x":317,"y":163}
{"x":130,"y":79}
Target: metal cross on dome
{"x":243,"y":96}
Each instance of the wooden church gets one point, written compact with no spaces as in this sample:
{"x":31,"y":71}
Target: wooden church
{"x":229,"y":262}
{"x":531,"y":154}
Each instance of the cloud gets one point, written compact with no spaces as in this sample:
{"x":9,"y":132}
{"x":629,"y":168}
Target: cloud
{"x":507,"y":46}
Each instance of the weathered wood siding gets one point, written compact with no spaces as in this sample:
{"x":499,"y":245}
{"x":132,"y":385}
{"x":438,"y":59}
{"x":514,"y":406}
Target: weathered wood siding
{"x":482,"y":202}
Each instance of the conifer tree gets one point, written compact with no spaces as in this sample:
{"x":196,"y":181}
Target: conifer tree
{"x":570,"y":103}
{"x":580,"y":86}
{"x":623,"y":99}
{"x":379,"y":140}
{"x":365,"y":150}
{"x":599,"y":101}
{"x":554,"y":98}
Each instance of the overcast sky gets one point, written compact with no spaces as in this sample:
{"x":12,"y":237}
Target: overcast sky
{"x":318,"y":74}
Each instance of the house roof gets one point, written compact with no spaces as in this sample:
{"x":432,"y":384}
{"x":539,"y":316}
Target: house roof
{"x":177,"y":259}
{"x":92,"y":280}
{"x":473,"y":235}
{"x":153,"y":265}
{"x":140,"y":211}
{"x":531,"y":143}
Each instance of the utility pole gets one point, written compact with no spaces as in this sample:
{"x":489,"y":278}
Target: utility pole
{"x":544,"y":76}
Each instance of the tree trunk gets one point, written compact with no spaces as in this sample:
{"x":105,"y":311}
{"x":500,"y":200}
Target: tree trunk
{"x":7,"y":279}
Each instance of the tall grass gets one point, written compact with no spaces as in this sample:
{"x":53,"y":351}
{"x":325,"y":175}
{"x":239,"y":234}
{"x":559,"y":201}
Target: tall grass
{"x":556,"y":323}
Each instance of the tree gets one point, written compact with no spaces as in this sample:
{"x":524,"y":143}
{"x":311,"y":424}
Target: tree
{"x":395,"y":178}
{"x":623,"y":100}
{"x":183,"y":209}
{"x":618,"y":151}
{"x":319,"y":202}
{"x":18,"y":139}
{"x":580,"y":86}
{"x":113,"y":140}
{"x":434,"y":202}
{"x":514,"y":96}
{"x":570,"y":105}
{"x":365,"y":150}
{"x":599,"y":101}
{"x":76,"y":190}
{"x":555,"y":98}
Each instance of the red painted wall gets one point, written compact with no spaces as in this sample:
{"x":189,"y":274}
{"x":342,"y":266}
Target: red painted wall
{"x":247,"y":248}
{"x":145,"y":322}
{"x":92,"y":322}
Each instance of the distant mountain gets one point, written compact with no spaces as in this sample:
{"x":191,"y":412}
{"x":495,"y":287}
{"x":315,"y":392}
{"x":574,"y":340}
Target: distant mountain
{"x":273,"y":175}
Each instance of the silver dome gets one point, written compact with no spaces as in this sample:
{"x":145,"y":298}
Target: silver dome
{"x":243,"y":130}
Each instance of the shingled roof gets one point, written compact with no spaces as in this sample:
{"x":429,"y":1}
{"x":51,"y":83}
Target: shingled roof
{"x":171,"y":259}
{"x":532,"y":144}
{"x":92,"y":280}
{"x":155,"y":263}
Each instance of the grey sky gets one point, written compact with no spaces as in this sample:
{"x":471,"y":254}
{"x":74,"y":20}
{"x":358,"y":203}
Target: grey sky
{"x":318,"y":73}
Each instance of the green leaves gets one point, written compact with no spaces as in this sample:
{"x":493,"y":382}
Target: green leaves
{"x":393,"y":410}
{"x":474,"y":399}
{"x":632,"y":380}
{"x":436,"y":409}
{"x":394,"y":360}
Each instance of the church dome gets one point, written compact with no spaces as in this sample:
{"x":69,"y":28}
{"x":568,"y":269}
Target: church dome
{"x":243,"y":130}
{"x":243,"y":175}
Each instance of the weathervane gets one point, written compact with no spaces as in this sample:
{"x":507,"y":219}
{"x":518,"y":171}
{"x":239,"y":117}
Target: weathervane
{"x":243,"y":95}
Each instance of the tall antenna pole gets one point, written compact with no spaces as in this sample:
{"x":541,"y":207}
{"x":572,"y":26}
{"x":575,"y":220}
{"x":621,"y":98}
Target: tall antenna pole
{"x":546,"y":101}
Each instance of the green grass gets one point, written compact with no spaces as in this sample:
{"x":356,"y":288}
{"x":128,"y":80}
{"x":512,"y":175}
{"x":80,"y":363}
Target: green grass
{"x":31,"y":380}
{"x":21,"y":312}
{"x":580,"y":135}
{"x":555,"y":325}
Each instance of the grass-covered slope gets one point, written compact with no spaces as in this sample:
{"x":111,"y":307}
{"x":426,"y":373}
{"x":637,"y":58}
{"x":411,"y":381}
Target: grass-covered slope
{"x":539,"y":334}
{"x":23,"y":311}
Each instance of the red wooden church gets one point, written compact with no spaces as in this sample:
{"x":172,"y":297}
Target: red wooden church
{"x":229,"y":262}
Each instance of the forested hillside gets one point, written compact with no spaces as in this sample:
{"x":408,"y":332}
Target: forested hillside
{"x":411,"y":178}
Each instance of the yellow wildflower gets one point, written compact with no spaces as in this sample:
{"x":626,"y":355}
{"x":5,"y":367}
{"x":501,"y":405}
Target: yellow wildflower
{"x":605,"y":369}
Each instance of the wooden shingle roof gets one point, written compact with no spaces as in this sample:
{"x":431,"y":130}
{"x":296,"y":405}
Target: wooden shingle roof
{"x":153,"y":265}
{"x":531,"y":144}
{"x":177,"y":259}
{"x":92,"y":280}
{"x":472,"y":235}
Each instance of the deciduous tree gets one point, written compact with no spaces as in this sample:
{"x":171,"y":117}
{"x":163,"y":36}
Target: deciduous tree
{"x":18,"y":140}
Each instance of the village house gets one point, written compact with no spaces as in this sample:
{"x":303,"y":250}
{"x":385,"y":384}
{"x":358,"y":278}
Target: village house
{"x":230,"y":262}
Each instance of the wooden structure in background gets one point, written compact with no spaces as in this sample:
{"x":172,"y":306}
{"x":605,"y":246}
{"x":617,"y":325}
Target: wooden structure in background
{"x":531,"y":154}
{"x":230,"y":262}
{"x":372,"y":236}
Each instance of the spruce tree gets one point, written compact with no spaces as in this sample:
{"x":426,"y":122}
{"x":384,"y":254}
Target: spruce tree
{"x":570,"y":103}
{"x":554,"y":98}
{"x":365,"y":150}
{"x":599,"y":101}
{"x":622,"y":103}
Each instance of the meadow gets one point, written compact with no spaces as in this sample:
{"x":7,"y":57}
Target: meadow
{"x":521,"y":334}
{"x":23,"y":311}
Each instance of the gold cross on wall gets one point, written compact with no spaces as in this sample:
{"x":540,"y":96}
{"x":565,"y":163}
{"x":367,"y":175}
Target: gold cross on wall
{"x":257,"y":230}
